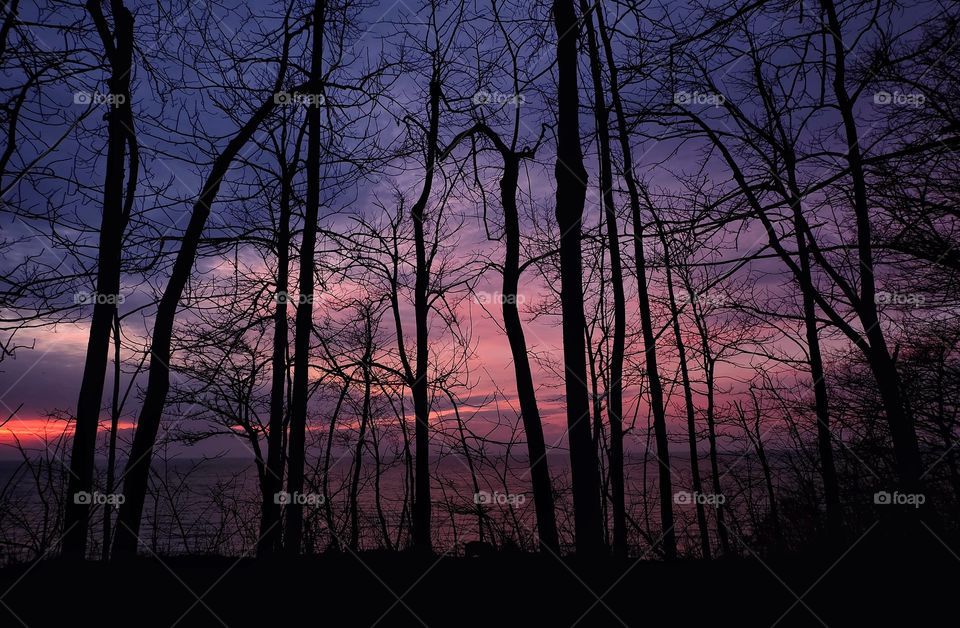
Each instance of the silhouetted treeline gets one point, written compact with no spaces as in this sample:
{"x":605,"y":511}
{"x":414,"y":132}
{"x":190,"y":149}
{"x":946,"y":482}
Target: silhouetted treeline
{"x":714,"y":245}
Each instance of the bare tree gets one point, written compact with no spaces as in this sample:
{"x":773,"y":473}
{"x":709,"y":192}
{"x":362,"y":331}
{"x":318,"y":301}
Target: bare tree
{"x":571,"y":179}
{"x":304,"y":318}
{"x":117,"y":206}
{"x":513,"y":327}
{"x":615,"y":392}
{"x":668,"y":538}
{"x":137,"y":470}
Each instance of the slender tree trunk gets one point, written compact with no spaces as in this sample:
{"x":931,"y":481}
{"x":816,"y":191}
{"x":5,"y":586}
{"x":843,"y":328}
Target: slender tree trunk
{"x":421,"y":504}
{"x":325,"y":484}
{"x":571,"y":194}
{"x":293,"y":532}
{"x":118,"y":47}
{"x":409,"y":484}
{"x":688,"y":401}
{"x":756,"y":436}
{"x":615,"y":392}
{"x":668,"y":538}
{"x":358,"y":454}
{"x":709,"y":366}
{"x":792,"y":194}
{"x":526,"y":394}
{"x":771,"y":495}
{"x":112,"y":443}
{"x":270,"y":532}
{"x":377,"y":491}
{"x":471,"y":467}
{"x":831,"y":487}
{"x":714,"y":462}
{"x":596,"y":405}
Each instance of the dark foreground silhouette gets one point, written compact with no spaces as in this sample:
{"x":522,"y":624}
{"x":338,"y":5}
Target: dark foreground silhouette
{"x":864,"y":587}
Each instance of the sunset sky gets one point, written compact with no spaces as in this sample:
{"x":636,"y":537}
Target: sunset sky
{"x":44,"y":376}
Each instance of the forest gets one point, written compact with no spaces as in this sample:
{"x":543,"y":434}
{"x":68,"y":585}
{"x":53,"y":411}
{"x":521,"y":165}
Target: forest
{"x":322,"y":287}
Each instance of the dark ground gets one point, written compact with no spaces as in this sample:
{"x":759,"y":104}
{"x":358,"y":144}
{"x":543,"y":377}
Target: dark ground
{"x":866,"y":587}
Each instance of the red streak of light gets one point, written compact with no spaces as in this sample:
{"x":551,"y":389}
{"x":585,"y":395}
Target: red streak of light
{"x":34,"y":430}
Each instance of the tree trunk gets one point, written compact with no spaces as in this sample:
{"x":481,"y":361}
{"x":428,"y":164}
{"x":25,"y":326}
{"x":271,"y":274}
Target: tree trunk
{"x":293,"y":532}
{"x":409,"y":483}
{"x":421,"y":504}
{"x":270,"y":532}
{"x":358,"y":455}
{"x":831,"y":487}
{"x":668,"y":538}
{"x":902,"y":429}
{"x":757,"y":438}
{"x":526,"y":394}
{"x":112,"y":443}
{"x":571,"y":193}
{"x":513,"y":326}
{"x":709,"y":366}
{"x":615,"y":392}
{"x":596,"y":405}
{"x":714,"y":462}
{"x":119,"y":128}
{"x":325,"y":484}
{"x":688,"y":401}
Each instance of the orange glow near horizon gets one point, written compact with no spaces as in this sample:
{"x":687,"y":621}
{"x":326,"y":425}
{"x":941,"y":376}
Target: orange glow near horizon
{"x":31,"y":431}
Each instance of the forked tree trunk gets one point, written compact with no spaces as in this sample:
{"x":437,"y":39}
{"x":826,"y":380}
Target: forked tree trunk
{"x":513,"y":326}
{"x":526,"y":393}
{"x":831,"y":487}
